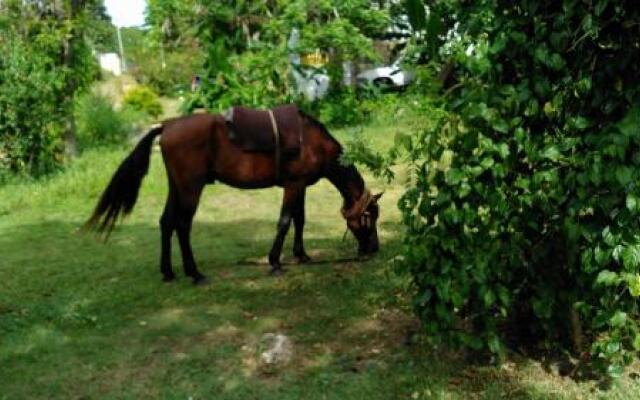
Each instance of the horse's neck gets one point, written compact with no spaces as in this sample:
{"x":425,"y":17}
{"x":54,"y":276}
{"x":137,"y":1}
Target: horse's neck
{"x":347,"y":180}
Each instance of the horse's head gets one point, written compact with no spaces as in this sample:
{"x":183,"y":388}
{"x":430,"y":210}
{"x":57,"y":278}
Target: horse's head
{"x":361,"y":219}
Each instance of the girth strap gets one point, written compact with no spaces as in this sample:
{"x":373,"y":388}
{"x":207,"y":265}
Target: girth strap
{"x":276,"y":135}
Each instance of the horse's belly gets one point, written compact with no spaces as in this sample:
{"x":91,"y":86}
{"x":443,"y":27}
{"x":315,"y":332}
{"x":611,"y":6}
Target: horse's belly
{"x":253,"y":170}
{"x":246,"y":171}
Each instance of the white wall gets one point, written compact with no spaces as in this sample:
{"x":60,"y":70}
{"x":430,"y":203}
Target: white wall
{"x":111,"y":62}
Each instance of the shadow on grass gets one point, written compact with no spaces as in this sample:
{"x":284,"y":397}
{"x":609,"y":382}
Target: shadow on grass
{"x":101,"y":311}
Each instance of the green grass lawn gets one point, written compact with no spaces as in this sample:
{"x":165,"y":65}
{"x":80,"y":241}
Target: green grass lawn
{"x":83,"y":319}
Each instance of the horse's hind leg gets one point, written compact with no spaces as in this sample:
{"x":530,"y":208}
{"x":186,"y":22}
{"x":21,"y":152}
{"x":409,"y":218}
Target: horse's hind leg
{"x":167,"y":226}
{"x":298,"y":223}
{"x":186,"y":208}
{"x":291,"y":194}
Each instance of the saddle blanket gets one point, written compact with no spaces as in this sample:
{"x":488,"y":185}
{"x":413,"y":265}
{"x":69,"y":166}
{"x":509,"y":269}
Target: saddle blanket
{"x":252,"y":129}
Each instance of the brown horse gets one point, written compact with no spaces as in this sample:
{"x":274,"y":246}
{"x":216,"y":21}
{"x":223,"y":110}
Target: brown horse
{"x":197,"y":151}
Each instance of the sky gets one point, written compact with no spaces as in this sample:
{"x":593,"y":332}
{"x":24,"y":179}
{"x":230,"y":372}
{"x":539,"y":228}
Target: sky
{"x":126,"y":12}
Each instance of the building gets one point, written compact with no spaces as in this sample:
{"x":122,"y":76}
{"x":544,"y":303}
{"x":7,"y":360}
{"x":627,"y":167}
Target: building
{"x":111,"y":62}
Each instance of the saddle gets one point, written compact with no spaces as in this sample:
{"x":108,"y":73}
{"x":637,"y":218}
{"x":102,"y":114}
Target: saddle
{"x":277,"y":130}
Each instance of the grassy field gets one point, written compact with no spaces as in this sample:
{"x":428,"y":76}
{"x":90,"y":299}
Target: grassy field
{"x":80,"y":319}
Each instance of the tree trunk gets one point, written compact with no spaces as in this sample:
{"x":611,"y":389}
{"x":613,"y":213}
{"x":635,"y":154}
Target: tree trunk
{"x":70,"y":142}
{"x":71,"y":84}
{"x":445,"y":73}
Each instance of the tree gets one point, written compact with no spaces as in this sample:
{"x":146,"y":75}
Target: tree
{"x":522,"y":219}
{"x":247,"y":58}
{"x":47,"y":62}
{"x":102,"y":33}
{"x":170,"y":52}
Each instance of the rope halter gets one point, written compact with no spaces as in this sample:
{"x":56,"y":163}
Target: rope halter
{"x":358,"y":211}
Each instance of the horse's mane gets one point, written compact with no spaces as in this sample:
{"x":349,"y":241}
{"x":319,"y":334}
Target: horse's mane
{"x":337,"y":172}
{"x":322,"y":128}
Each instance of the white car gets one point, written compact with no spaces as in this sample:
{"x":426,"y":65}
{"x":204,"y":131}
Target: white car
{"x":386,"y":77}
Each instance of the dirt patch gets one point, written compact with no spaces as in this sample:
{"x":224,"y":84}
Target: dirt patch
{"x":361,"y":344}
{"x":225,"y":334}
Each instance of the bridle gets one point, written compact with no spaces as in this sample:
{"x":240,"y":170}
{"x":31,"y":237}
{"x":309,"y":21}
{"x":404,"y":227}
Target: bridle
{"x":358,"y":211}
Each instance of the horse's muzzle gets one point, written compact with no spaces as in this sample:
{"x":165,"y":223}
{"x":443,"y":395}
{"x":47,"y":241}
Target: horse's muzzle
{"x":371,"y":246}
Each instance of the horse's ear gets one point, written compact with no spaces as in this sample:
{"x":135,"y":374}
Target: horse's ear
{"x":376,"y":197}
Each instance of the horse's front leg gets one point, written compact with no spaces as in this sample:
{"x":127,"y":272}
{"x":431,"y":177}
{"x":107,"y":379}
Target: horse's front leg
{"x":291,"y":194}
{"x":298,"y":223}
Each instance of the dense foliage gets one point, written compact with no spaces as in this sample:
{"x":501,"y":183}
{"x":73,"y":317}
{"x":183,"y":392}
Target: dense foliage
{"x":99,"y":123}
{"x":522,"y":221}
{"x":168,"y":54}
{"x":248,"y":60}
{"x":28,"y":87}
{"x":45,"y":60}
{"x":143,"y":99}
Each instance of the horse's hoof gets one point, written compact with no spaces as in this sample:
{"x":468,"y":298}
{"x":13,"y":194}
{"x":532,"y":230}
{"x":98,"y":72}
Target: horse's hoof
{"x":200,"y":280}
{"x":169,"y":278}
{"x":303,"y":259}
{"x":277,"y":271}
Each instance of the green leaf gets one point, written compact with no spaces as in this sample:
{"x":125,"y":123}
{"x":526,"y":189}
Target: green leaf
{"x":612,"y":347}
{"x":500,"y":125}
{"x":618,"y":320}
{"x":503,"y":294}
{"x":489,"y":298}
{"x":608,"y":237}
{"x":487,"y":162}
{"x":503,"y":150}
{"x":556,"y":62}
{"x":494,"y":344}
{"x":633,"y":281}
{"x":624,"y":175}
{"x":615,"y":370}
{"x":607,"y":278}
{"x":629,"y":124}
{"x":473,"y":341}
{"x":464,"y":190}
{"x":454,"y":176}
{"x":617,"y":253}
{"x":631,"y":202}
{"x":601,"y":256}
{"x":636,"y":342}
{"x":631,"y":257}
{"x":552,"y":153}
{"x":581,"y":123}
{"x":600,"y":6}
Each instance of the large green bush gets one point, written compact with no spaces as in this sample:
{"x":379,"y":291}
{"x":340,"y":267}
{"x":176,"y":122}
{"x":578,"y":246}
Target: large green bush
{"x":143,"y":99}
{"x":45,"y":60}
{"x":31,"y":124}
{"x":523,"y":218}
{"x":247,"y":58}
{"x":99,"y":123}
{"x":344,"y":107}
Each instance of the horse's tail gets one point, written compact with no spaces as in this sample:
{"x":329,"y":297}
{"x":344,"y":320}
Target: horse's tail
{"x":122,"y":192}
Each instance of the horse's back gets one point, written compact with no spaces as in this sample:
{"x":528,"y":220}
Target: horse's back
{"x":191,"y":130}
{"x":198,"y":148}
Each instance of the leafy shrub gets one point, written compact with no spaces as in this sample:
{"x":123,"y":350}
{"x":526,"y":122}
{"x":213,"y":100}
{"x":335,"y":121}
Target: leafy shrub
{"x":343,"y":108}
{"x":98,"y":123}
{"x":38,"y":85}
{"x":165,"y":76}
{"x":251,"y":65}
{"x":522,"y":222}
{"x":144,"y":99}
{"x":31,"y":124}
{"x":259,"y":78}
